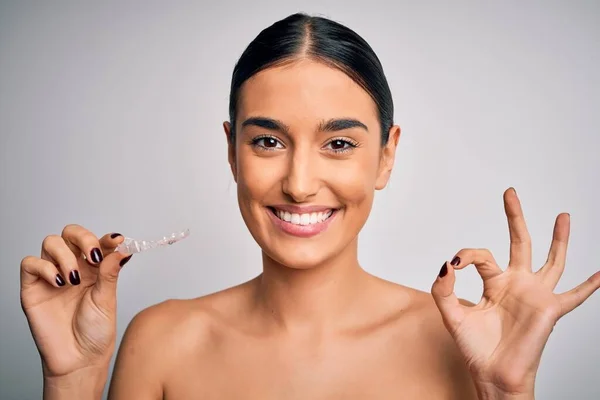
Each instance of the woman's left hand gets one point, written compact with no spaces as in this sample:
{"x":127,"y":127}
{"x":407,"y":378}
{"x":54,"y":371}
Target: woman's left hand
{"x":502,"y":337}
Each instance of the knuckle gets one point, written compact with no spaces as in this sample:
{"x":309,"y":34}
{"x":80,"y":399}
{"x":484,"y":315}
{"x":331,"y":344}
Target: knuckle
{"x":466,"y":254}
{"x":523,"y":241}
{"x":89,"y":238}
{"x":50,"y":240}
{"x":27,"y":260}
{"x":487,"y":258}
{"x":486,"y":254}
{"x":69,"y":229}
{"x":110,"y":277}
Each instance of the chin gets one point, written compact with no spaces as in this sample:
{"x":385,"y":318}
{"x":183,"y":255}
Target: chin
{"x":299,"y":258}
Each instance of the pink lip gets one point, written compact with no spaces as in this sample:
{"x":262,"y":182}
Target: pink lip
{"x":303,"y":231}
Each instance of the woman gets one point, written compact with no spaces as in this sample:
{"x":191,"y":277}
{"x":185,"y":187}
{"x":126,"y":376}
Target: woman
{"x":311,"y":137}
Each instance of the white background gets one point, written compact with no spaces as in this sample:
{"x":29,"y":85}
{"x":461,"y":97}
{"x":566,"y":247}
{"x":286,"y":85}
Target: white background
{"x":111,"y":112}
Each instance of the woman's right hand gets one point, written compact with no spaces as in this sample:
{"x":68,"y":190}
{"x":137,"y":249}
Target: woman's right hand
{"x":69,"y":297}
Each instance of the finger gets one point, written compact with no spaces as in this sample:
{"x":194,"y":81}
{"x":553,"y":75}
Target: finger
{"x":104,"y":292}
{"x":482,"y":259}
{"x":33,"y":269}
{"x":56,"y":251}
{"x":575,"y":297}
{"x":553,"y":269}
{"x":443,"y":294}
{"x":520,"y":242}
{"x":110,"y":241}
{"x":83,"y":241}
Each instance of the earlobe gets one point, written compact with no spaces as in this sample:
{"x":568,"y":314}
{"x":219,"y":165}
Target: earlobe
{"x":231,"y":156}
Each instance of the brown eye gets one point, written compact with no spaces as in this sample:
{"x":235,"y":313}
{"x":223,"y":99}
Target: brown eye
{"x":338,"y":144}
{"x":269,"y":142}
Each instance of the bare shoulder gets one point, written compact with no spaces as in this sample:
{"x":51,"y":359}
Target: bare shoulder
{"x":449,"y":365}
{"x":158,"y":339}
{"x":438,"y":355}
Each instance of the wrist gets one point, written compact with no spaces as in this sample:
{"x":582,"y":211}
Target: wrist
{"x":512,"y":386}
{"x":490,"y":392}
{"x":506,"y":396}
{"x":87,"y":383}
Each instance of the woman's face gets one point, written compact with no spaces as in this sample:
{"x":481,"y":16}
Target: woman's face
{"x":307,"y":159}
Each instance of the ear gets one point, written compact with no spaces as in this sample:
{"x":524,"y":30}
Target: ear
{"x":231,"y":156}
{"x":388,"y":157}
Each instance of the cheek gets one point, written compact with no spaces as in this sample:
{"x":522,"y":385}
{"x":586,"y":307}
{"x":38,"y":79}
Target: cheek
{"x":256,"y":177}
{"x":353,"y":181}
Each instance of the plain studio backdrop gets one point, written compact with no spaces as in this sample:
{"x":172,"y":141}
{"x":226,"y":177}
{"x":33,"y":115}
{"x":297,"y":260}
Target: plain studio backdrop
{"x":111,"y":113}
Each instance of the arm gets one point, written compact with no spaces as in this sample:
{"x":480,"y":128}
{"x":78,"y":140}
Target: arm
{"x":495,"y":395}
{"x":85,"y":384}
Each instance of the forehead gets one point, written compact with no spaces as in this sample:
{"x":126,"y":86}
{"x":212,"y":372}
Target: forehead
{"x":305,"y":90}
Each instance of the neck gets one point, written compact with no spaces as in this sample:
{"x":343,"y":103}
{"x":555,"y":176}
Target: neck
{"x":311,"y":299}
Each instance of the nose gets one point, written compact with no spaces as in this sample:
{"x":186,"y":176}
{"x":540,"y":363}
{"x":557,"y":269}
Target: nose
{"x":301,"y":182}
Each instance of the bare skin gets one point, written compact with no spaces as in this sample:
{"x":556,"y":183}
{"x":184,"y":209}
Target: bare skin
{"x":224,"y":346}
{"x":314,"y":324}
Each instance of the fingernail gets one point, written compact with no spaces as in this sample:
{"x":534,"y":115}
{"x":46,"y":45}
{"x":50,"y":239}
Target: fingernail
{"x":74,"y":277}
{"x":124,"y":261}
{"x":96,"y":255}
{"x":114,"y":235}
{"x":455,"y":261}
{"x":59,"y":280}
{"x":444,"y":270}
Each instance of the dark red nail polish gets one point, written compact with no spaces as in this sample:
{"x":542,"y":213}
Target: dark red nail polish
{"x":96,"y":255}
{"x":124,"y":261}
{"x":59,"y":280}
{"x":455,"y":261}
{"x":74,"y":278}
{"x":444,"y":270}
{"x":114,"y":235}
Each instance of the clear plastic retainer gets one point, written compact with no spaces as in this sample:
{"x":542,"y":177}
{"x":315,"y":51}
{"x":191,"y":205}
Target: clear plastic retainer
{"x":131,"y":246}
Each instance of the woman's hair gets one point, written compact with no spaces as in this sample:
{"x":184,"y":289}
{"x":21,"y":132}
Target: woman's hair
{"x":301,"y":36}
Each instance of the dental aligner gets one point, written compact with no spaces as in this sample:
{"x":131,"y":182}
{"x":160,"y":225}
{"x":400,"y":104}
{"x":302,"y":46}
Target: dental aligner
{"x":131,"y":246}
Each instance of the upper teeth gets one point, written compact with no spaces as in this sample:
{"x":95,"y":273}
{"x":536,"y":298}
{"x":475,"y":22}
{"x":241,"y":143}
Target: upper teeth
{"x":303,"y":219}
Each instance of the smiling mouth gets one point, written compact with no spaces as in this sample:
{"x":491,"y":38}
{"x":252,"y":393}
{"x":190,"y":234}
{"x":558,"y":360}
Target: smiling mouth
{"x":303,"y":219}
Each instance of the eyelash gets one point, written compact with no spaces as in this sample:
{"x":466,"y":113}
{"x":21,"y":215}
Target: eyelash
{"x":350,"y":143}
{"x":254,"y":142}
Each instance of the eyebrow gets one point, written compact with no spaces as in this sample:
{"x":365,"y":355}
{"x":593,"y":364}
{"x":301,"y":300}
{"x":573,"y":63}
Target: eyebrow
{"x":340,"y":124}
{"x":266,"y":123}
{"x":332,"y":125}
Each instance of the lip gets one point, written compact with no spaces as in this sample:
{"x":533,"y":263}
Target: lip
{"x":302,"y":231}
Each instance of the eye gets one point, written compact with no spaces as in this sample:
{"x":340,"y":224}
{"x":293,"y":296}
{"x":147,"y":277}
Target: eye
{"x":267,"y":143}
{"x":341,"y":145}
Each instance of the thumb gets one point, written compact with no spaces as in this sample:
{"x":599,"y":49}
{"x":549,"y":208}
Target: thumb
{"x":104,"y":292}
{"x":443,"y":294}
